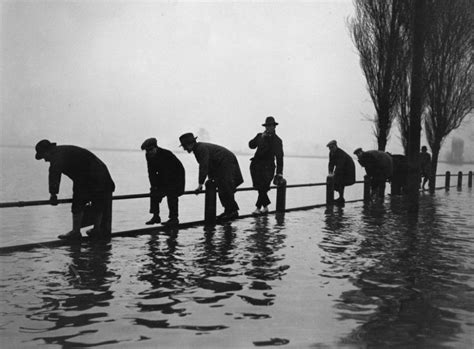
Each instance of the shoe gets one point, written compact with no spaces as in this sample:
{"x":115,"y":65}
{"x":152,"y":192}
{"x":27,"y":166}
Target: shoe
{"x":256,"y":212}
{"x":93,"y":233}
{"x":265,"y":210}
{"x":172,"y":222}
{"x":222,"y":216}
{"x":232,"y":215}
{"x":154,"y":220}
{"x":72,"y":235}
{"x":339,"y":201}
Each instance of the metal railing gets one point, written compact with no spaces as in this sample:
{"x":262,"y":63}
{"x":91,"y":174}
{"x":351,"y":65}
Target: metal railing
{"x":211,"y":201}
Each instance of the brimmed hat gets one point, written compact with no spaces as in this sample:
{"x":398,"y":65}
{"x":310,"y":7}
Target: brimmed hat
{"x":270,"y":120}
{"x":357,"y":150}
{"x":333,"y":142}
{"x":187,"y":138}
{"x":42,"y":147}
{"x":149,"y":143}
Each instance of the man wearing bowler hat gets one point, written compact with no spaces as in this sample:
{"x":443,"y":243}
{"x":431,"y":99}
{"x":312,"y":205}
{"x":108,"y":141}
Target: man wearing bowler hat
{"x":167,"y":177}
{"x":219,"y":164}
{"x":262,"y":167}
{"x":342,"y":167}
{"x":92,"y":184}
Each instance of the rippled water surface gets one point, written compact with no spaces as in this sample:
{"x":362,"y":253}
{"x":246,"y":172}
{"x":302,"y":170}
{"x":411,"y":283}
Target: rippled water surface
{"x":362,"y":276}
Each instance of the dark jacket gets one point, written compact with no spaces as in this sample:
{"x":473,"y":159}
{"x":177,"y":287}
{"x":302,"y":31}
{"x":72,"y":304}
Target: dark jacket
{"x":378,"y":164}
{"x":87,"y":171}
{"x":344,"y":172}
{"x":165,"y":172}
{"x":269,"y":149}
{"x":425,"y":163}
{"x":218,"y":163}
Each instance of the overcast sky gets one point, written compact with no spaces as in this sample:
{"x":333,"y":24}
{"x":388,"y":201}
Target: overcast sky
{"x":108,"y":74}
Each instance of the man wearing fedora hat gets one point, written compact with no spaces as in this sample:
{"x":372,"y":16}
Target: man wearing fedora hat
{"x":262,"y":166}
{"x":167,"y":177}
{"x":219,"y":164}
{"x":92,"y":183}
{"x":342,"y":167}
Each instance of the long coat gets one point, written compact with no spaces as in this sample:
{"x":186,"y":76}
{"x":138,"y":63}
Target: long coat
{"x":262,"y":167}
{"x":378,"y":164}
{"x":166,"y":173}
{"x":219,"y":163}
{"x":90,"y":176}
{"x":344,"y":172}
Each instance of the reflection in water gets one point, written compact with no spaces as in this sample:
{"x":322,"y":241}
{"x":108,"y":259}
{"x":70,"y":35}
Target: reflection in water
{"x":88,"y":275}
{"x":217,"y":268}
{"x":355,"y":276}
{"x":403,"y":272}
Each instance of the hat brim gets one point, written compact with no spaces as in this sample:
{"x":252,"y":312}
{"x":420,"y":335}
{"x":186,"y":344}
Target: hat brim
{"x":271,"y":124}
{"x":39,"y":156}
{"x":188,"y":142}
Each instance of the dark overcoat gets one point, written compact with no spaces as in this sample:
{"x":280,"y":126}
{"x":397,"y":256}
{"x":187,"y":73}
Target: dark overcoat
{"x":262,"y":166}
{"x":343,"y":166}
{"x":91,"y":178}
{"x":378,"y":164}
{"x":166,"y":173}
{"x":218,"y":163}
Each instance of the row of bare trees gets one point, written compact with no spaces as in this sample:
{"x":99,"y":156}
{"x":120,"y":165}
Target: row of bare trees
{"x":382,"y":31}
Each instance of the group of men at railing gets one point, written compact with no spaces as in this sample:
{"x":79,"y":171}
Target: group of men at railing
{"x":93,"y":185}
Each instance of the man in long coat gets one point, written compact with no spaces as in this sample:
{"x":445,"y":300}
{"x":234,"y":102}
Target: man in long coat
{"x":167,"y":178}
{"x":219,"y":164}
{"x":342,"y":167}
{"x":262,"y":167}
{"x":378,"y":166}
{"x":92,"y":183}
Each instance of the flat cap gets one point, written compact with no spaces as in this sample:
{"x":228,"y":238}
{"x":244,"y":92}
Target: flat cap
{"x":149,"y":143}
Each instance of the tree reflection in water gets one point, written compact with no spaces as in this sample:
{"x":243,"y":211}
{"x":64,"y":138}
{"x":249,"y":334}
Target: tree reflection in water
{"x":404,"y":270}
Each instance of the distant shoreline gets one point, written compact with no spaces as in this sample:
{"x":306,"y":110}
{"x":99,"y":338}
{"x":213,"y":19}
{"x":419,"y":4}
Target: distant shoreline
{"x":241,"y":153}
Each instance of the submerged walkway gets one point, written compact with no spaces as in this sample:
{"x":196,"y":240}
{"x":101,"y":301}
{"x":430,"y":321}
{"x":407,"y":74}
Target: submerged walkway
{"x":363,"y":275}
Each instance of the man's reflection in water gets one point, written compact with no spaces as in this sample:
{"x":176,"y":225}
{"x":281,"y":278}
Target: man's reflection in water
{"x":90,"y":279}
{"x":402,"y":276}
{"x":165,"y":273}
{"x":263,"y":245}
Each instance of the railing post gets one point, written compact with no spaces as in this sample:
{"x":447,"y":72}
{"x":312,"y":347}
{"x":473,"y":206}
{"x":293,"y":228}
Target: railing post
{"x":469,"y":180}
{"x":330,"y":190}
{"x":366,"y":188}
{"x":281,"y":196}
{"x":210,"y":203}
{"x":447,"y":180}
{"x":459,"y":179}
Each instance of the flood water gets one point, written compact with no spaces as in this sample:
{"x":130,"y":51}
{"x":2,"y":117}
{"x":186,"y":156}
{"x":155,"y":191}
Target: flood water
{"x":361,"y":276}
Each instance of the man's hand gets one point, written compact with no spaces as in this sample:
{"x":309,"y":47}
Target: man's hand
{"x":198,"y":189}
{"x":53,"y":200}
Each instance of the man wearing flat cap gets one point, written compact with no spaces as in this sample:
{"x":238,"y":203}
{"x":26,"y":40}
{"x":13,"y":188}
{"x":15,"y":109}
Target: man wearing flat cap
{"x":262,"y":166}
{"x":167,"y":178}
{"x":378,"y":166}
{"x":219,"y":164}
{"x":342,"y":167}
{"x":92,"y":186}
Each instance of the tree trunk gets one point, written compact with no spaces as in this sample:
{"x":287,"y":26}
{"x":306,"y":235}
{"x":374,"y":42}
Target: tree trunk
{"x":434,"y":168}
{"x":413,"y":178}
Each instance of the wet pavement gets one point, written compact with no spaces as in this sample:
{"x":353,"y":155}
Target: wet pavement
{"x":365,"y":275}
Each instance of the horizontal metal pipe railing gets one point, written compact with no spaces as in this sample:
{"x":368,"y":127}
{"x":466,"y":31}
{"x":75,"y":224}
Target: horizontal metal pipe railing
{"x":141,"y":196}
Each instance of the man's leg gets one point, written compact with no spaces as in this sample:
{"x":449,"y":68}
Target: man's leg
{"x":155,"y":201}
{"x":173,"y":207}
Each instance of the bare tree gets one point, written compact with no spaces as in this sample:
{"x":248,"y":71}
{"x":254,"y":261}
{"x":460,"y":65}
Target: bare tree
{"x":449,"y":71}
{"x":379,"y":33}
